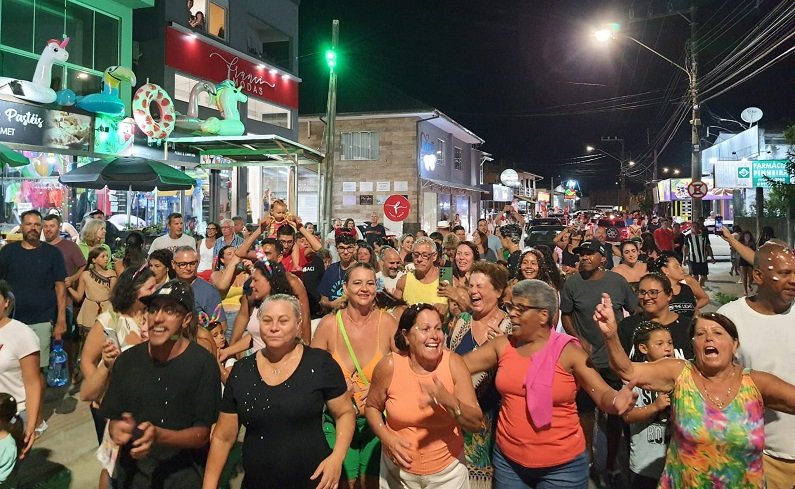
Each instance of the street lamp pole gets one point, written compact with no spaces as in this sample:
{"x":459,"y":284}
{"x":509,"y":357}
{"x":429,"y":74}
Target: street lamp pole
{"x":331,"y":115}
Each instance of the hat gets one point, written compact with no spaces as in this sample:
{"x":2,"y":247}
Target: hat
{"x":592,"y":245}
{"x":96,"y":211}
{"x":176,"y":290}
{"x":443,"y":225}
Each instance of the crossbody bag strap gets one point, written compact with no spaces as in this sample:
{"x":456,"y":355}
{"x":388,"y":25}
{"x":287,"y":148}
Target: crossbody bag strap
{"x":350,"y":348}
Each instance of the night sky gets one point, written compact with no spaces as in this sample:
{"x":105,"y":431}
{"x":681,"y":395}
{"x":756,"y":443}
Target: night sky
{"x":528,"y":77}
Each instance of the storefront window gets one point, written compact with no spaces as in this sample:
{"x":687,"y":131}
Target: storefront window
{"x":81,"y":82}
{"x":35,"y":186}
{"x":308,"y":195}
{"x":430,"y":214}
{"x":268,"y":44}
{"x":209,"y":16}
{"x":15,"y":65}
{"x":106,"y":53}
{"x":462,"y":209}
{"x":262,"y":111}
{"x":49,"y":23}
{"x":217,"y":20}
{"x":444,"y":208}
{"x":16,"y":21}
{"x":80,"y":26}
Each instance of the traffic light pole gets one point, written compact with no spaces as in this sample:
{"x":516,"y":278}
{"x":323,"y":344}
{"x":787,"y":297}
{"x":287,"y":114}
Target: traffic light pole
{"x":331,"y":115}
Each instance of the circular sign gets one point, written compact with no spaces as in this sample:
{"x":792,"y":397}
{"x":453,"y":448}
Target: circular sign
{"x":510,"y":178}
{"x":697,"y":190}
{"x":397,"y":208}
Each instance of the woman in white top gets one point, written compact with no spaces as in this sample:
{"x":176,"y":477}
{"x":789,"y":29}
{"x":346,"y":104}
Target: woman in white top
{"x":19,"y":368}
{"x":205,"y":247}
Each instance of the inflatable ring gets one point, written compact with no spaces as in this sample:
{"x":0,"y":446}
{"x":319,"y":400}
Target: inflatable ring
{"x":147,"y":96}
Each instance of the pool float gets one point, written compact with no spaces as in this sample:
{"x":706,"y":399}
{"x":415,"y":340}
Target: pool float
{"x":108,"y":101}
{"x":191,"y":122}
{"x":153,"y":95}
{"x":227,"y":96}
{"x":38,"y":90}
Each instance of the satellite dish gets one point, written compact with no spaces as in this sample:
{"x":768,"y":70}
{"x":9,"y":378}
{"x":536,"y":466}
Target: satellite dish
{"x":510,"y":178}
{"x":751,"y":114}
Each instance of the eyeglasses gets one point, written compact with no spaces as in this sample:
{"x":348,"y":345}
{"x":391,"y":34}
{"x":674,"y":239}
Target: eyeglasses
{"x":182,"y":265}
{"x":652,"y":293}
{"x":342,"y":248}
{"x":520,"y":309}
{"x":424,"y":256}
{"x":168,"y":309}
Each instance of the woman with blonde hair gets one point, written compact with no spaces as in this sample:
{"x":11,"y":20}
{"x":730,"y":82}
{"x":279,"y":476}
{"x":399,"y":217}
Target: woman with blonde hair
{"x":92,"y":235}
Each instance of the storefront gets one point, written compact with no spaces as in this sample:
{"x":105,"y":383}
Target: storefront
{"x":672,"y":198}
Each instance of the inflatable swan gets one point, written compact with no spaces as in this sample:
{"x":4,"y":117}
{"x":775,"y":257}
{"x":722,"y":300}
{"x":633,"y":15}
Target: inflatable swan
{"x":227,"y":96}
{"x":191,"y":122}
{"x":38,"y":90}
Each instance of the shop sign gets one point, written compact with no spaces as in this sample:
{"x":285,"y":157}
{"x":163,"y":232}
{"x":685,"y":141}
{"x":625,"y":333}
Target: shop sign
{"x":751,"y":174}
{"x":194,"y":56}
{"x":365,"y":200}
{"x":543,"y":196}
{"x":501,"y":193}
{"x":679,"y":190}
{"x":397,"y":208}
{"x":35,"y":125}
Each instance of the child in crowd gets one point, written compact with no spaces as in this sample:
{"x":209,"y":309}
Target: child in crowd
{"x":649,"y":424}
{"x":217,"y":331}
{"x":12,"y":433}
{"x":95,"y":285}
{"x":279,"y":215}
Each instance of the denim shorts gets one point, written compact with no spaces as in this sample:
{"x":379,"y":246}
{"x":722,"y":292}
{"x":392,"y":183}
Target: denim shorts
{"x":511,"y":475}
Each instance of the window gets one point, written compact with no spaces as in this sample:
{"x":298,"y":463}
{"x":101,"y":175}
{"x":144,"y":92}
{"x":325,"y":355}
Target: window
{"x":458,"y":156}
{"x":16,"y":19}
{"x":441,"y":152}
{"x":359,"y":145}
{"x":182,"y":87}
{"x":209,"y":16}
{"x":268,"y":44}
{"x":262,"y":111}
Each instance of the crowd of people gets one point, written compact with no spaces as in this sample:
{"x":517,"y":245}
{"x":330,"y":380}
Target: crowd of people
{"x":449,"y":359}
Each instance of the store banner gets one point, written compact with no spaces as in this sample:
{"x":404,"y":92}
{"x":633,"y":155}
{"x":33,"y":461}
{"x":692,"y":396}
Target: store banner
{"x":751,"y":173}
{"x":678,"y":188}
{"x":35,"y":125}
{"x":195,"y":56}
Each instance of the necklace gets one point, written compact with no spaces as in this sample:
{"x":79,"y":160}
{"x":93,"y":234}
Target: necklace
{"x":364,"y":320}
{"x":721,"y":403}
{"x":280,"y":365}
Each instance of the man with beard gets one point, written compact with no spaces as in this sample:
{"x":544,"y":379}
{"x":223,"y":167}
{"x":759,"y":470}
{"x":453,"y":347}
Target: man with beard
{"x":390,"y":273}
{"x":35,"y":272}
{"x":580,"y":295}
{"x":766,"y":325}
{"x":163,"y":398}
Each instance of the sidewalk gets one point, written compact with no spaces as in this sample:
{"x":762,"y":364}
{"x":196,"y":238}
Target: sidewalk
{"x":720,"y":281}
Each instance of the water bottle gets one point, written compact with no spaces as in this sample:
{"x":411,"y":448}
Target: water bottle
{"x":58,"y":373}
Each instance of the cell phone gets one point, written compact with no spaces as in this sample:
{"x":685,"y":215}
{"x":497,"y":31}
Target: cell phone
{"x":112,"y":337}
{"x":718,"y":226}
{"x":446,"y":275}
{"x":16,"y":88}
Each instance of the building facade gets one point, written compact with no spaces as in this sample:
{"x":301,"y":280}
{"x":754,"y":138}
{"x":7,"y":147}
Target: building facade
{"x":424,"y":155}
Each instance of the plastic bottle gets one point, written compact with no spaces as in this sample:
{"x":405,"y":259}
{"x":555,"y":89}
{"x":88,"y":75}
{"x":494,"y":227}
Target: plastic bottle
{"x":58,"y":373}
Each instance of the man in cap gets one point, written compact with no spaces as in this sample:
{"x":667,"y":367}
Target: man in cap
{"x":580,"y":295}
{"x":163,"y":398}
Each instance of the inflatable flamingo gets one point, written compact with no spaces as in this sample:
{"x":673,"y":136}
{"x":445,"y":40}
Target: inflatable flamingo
{"x":38,"y":90}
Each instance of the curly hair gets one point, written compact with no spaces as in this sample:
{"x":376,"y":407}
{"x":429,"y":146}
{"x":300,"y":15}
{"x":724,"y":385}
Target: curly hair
{"x":125,"y":292}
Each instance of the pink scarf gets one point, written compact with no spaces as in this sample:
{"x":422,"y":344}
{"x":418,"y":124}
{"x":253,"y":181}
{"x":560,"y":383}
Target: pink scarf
{"x":538,"y":382}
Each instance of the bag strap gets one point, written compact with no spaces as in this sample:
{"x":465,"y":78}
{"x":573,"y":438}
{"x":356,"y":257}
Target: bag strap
{"x":350,"y":348}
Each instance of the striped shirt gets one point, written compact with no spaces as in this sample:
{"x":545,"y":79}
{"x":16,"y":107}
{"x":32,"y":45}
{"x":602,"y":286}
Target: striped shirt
{"x":698,"y":248}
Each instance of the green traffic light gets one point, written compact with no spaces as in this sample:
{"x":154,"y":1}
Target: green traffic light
{"x":331,"y":58}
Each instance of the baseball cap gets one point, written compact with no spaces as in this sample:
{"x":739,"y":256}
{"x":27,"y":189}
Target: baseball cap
{"x":176,"y":290}
{"x":592,"y":245}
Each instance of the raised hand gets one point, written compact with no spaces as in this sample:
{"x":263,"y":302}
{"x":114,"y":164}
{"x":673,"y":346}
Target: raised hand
{"x":605,"y":317}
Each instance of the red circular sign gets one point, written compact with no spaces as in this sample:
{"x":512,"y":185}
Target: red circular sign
{"x":397,"y":208}
{"x":697,"y":190}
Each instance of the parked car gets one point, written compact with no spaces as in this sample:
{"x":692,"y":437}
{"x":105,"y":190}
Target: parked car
{"x":546,"y":221}
{"x":542,"y":235}
{"x":617,"y":230}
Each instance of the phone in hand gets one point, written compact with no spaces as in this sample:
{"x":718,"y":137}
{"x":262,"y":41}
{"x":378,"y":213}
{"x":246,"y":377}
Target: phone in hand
{"x":446,"y":275}
{"x":111,"y":335}
{"x":718,"y":226}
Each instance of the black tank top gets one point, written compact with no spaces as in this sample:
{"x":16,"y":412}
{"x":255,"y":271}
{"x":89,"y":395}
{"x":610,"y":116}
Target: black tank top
{"x":569,"y":259}
{"x":684,"y":302}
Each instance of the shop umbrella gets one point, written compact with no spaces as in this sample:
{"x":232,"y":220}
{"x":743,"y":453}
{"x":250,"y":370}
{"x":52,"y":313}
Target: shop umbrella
{"x":132,"y":174}
{"x":9,"y":157}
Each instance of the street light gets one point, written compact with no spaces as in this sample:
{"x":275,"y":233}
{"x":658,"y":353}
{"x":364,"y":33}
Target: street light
{"x":622,"y":163}
{"x":612,"y":32}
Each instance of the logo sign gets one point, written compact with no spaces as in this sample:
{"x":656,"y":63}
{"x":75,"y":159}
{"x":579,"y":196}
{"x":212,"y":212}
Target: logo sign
{"x":197,"y":57}
{"x":510,"y":178}
{"x":397,"y":208}
{"x":697,"y":190}
{"x":744,"y":172}
{"x":751,"y":174}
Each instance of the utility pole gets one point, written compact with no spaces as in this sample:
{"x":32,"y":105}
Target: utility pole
{"x":695,"y":161}
{"x":331,"y":115}
{"x":622,"y":164}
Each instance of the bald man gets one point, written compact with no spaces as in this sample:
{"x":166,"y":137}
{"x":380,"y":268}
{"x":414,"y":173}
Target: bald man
{"x":766,"y":324}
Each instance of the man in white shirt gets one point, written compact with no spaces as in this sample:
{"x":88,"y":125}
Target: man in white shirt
{"x":390,"y":273}
{"x":175,"y":237}
{"x":766,"y":325}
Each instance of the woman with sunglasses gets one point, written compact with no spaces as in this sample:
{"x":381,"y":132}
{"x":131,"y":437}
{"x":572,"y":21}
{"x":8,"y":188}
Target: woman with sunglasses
{"x":654,"y":297}
{"x":426,"y":393}
{"x":717,"y":406}
{"x":688,"y":296}
{"x":567,"y":240}
{"x":539,"y":441}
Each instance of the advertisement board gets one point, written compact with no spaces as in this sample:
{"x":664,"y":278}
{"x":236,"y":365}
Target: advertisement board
{"x":751,"y":173}
{"x":35,"y":125}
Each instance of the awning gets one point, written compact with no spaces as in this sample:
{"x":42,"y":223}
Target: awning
{"x":524,"y":198}
{"x":251,"y":150}
{"x":429,"y":182}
